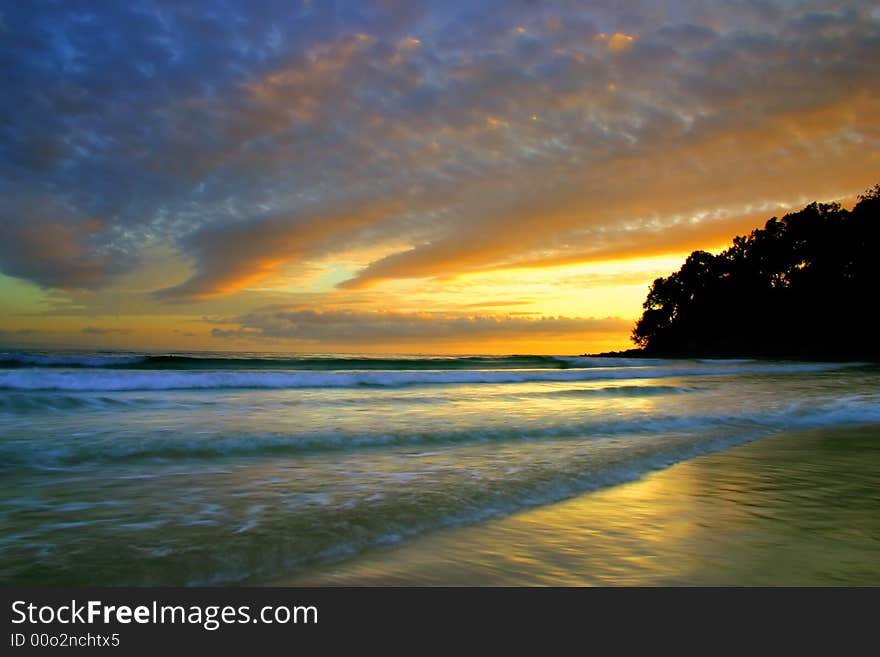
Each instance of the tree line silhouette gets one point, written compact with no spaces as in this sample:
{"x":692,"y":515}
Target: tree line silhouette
{"x":804,"y":286}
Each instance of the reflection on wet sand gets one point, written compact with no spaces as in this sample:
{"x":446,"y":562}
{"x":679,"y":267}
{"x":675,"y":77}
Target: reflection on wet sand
{"x":792,"y":509}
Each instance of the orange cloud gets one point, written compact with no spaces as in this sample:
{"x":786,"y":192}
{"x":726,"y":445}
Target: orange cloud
{"x":231,"y":257}
{"x":300,"y":91}
{"x":359,"y":328}
{"x":698,"y":192}
{"x":617,"y":41}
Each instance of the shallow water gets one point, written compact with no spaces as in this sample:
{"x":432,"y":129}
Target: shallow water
{"x":796,"y":509}
{"x":129,"y":469}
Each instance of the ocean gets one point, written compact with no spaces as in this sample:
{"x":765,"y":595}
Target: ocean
{"x":217,"y":468}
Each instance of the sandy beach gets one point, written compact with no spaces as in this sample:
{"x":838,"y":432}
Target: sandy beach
{"x":797,"y":508}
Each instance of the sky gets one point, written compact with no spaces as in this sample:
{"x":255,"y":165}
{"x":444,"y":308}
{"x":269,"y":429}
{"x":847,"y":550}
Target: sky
{"x":401,"y":176}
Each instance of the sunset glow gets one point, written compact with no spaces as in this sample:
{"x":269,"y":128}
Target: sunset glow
{"x":405,"y":177}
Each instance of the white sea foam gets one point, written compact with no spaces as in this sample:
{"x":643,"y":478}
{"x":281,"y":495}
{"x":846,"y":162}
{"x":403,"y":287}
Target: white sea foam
{"x":108,"y":380}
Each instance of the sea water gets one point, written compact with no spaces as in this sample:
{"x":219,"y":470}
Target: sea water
{"x":208,"y":468}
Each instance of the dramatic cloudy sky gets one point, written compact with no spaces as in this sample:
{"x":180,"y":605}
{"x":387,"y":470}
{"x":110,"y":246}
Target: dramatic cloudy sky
{"x":405,"y":176}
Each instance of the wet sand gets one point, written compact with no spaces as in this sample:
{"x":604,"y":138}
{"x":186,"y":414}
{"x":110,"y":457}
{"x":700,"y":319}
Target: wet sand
{"x":791,"y":509}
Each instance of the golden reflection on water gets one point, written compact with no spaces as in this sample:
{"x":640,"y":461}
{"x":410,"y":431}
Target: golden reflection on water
{"x":795,"y":509}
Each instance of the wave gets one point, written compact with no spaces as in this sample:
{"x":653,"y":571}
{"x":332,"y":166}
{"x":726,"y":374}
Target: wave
{"x":12,"y":360}
{"x":216,"y":542}
{"x":117,"y":380}
{"x":40,"y":401}
{"x":618,"y":391}
{"x":390,"y":520}
{"x":210,"y":361}
{"x":49,"y":453}
{"x":289,"y":525}
{"x":730,"y":361}
{"x":31,"y":403}
{"x":36,"y":402}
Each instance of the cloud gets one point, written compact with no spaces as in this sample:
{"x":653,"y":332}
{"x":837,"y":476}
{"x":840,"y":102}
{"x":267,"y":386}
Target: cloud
{"x":616,"y":42}
{"x":43,"y":245}
{"x":388,"y":327}
{"x":707,"y":186}
{"x":93,"y":330}
{"x":230,"y":257}
{"x":253,"y":136}
{"x":24,"y":331}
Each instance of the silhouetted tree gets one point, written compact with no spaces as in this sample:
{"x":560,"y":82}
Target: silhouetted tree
{"x":806,"y":285}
